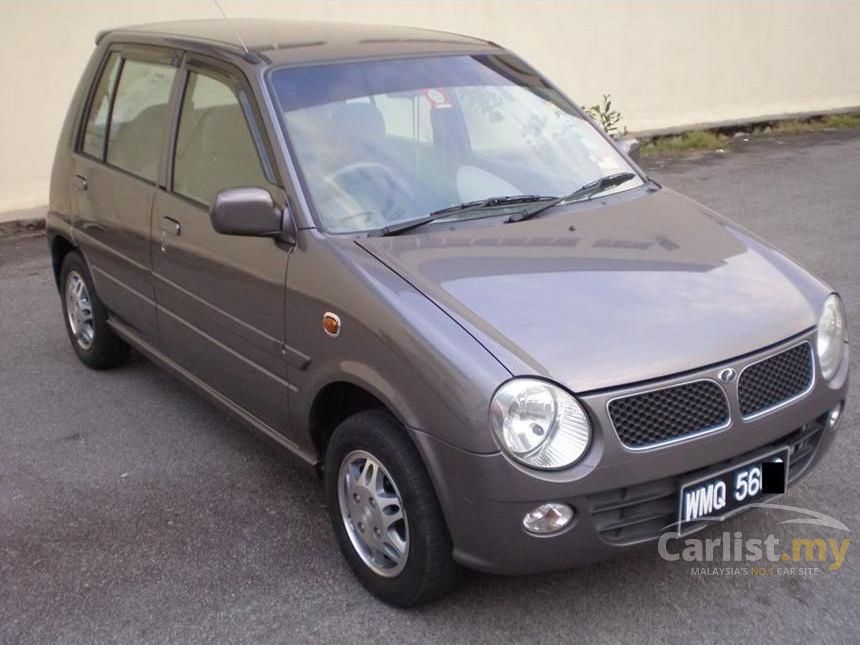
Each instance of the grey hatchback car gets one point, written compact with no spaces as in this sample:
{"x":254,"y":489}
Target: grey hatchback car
{"x":408,"y":259}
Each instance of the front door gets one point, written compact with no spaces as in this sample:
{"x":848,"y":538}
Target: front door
{"x":220,"y":298}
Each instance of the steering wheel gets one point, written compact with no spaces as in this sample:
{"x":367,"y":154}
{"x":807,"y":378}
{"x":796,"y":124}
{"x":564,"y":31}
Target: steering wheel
{"x":374,"y":182}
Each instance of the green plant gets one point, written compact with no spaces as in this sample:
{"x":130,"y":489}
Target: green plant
{"x":842,"y":121}
{"x":725,"y":138}
{"x":688,"y":141}
{"x":814,"y":124}
{"x":608,"y":117}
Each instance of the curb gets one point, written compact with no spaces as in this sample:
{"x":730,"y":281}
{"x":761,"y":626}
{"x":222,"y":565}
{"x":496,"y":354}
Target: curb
{"x":22,"y":227}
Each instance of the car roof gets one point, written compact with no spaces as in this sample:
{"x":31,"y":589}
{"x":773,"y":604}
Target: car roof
{"x":288,"y":41}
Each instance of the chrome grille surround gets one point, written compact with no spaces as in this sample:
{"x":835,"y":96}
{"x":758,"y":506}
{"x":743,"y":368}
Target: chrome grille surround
{"x":700,"y":407}
{"x":776,"y":381}
{"x":745,"y":366}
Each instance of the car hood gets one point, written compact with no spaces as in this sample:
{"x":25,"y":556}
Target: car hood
{"x":610,"y":293}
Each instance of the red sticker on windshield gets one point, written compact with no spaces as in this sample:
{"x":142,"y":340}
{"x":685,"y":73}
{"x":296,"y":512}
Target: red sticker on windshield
{"x":437,"y":98}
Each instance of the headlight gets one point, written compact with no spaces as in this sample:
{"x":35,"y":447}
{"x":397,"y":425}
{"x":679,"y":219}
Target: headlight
{"x":539,"y":424}
{"x":831,"y":336}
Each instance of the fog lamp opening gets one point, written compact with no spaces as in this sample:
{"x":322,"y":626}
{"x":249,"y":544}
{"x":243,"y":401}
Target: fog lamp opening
{"x":548,"y":518}
{"x":835,"y":415}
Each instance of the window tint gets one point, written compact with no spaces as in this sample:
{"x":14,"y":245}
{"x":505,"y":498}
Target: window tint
{"x":94,"y":131}
{"x":139,"y":117}
{"x":214,"y":147}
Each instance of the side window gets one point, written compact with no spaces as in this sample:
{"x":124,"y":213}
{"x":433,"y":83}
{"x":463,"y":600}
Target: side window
{"x":214,"y":146}
{"x":139,"y":117}
{"x":93,"y":143}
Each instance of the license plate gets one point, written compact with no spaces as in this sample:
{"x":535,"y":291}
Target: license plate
{"x":717,"y":495}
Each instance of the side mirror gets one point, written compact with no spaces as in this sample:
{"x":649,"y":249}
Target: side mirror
{"x":246,"y":211}
{"x":631,"y":146}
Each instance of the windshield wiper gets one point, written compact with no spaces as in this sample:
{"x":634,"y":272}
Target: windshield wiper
{"x":490,"y":202}
{"x":589,"y":189}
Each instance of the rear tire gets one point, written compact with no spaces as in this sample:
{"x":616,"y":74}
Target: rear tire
{"x":85,"y":316}
{"x":373,"y":472}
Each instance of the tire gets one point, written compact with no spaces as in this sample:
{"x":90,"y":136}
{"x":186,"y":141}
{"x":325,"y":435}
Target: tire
{"x":427,"y":570}
{"x":92,"y":339}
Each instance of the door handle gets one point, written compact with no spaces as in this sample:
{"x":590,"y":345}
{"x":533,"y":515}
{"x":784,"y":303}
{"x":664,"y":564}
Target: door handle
{"x":80,"y":182}
{"x":169,"y":225}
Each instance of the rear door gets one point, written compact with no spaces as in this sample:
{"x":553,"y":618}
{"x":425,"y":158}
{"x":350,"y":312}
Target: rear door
{"x":117,"y":166}
{"x":220,"y":299}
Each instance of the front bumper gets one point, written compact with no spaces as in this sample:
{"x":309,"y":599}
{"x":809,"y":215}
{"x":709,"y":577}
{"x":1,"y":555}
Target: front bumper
{"x":621,"y":497}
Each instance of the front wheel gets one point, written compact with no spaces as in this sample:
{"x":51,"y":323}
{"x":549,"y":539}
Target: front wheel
{"x":385,"y":513}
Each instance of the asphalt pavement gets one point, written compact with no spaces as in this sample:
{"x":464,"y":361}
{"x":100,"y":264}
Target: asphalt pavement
{"x":133,"y":511}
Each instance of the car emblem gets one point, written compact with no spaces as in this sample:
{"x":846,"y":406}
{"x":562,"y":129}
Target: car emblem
{"x":727,"y":375}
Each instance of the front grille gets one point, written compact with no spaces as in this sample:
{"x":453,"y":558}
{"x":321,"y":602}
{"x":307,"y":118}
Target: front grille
{"x":643,"y":420}
{"x":775,"y":380}
{"x":645,"y":511}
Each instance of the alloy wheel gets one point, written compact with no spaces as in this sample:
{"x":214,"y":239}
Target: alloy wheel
{"x":79,"y":310}
{"x":373,"y":513}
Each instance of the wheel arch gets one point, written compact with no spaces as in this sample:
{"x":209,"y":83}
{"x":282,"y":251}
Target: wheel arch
{"x":60,"y":247}
{"x":339,"y":399}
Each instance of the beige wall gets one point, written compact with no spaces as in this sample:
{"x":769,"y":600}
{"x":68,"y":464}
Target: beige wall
{"x":667,"y":63}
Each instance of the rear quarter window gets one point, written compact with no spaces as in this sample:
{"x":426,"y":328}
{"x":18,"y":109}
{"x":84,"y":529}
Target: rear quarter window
{"x":95,"y":129}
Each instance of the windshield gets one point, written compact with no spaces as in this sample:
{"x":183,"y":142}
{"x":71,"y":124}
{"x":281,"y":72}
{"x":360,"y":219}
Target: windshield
{"x":382,"y":142}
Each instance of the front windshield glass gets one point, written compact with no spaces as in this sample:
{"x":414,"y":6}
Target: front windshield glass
{"x":383,"y":142}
